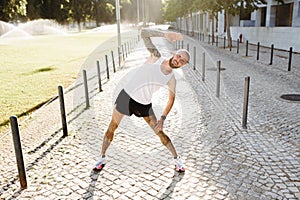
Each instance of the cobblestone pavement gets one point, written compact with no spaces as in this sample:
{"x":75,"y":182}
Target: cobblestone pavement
{"x":223,"y":160}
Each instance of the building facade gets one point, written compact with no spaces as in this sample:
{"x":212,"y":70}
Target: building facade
{"x":270,"y":24}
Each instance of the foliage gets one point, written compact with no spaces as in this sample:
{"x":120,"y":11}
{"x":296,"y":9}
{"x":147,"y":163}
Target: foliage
{"x":12,"y":10}
{"x":65,"y":11}
{"x":179,"y":8}
{"x":173,"y":9}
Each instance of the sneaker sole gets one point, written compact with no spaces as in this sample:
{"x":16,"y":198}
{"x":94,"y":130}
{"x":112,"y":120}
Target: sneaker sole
{"x":179,"y":170}
{"x":99,"y":169}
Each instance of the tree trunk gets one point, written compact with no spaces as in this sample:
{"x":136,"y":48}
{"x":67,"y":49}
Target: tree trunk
{"x":193,"y":28}
{"x":213,"y":28}
{"x":187,"y":25}
{"x":227,"y":28}
{"x":78,"y":24}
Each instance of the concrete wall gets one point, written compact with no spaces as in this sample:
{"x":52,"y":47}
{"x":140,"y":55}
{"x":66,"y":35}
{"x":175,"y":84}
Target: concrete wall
{"x":281,"y":37}
{"x":221,"y":23}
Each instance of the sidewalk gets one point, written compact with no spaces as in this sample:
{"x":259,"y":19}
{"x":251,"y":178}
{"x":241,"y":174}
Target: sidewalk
{"x":223,"y":160}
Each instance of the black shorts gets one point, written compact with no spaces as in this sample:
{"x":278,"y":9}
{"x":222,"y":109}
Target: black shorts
{"x":127,"y":106}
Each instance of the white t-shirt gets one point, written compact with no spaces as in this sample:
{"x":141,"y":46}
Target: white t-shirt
{"x":147,"y":80}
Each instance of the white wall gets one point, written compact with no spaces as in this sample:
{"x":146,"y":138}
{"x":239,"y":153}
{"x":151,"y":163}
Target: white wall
{"x":221,"y":23}
{"x":296,"y":14}
{"x":281,"y":37}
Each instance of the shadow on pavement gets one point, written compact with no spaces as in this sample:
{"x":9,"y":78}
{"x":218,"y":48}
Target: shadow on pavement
{"x":90,"y":191}
{"x":167,"y":194}
{"x":30,"y":166}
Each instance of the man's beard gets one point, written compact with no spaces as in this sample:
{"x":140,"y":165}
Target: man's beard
{"x":171,"y":64}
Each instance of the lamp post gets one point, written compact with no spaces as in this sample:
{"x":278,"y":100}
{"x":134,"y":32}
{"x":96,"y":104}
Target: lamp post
{"x":138,"y":11}
{"x":143,"y":12}
{"x":118,"y":26}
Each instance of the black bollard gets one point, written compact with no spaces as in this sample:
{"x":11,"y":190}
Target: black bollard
{"x":123,"y":52}
{"x":107,"y":68}
{"x":113,"y":61}
{"x":203,"y":66}
{"x":62,"y":111}
{"x":272,"y":52}
{"x":18,"y":151}
{"x":237,"y":46}
{"x":99,"y":76}
{"x":194,"y":58}
{"x":247,"y":48}
{"x":257,"y":55}
{"x":246,"y":100}
{"x":290,"y":58}
{"x":218,"y":78}
{"x":86,"y":90}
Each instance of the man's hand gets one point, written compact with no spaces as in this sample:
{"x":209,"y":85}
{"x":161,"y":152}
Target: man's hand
{"x":159,"y":125}
{"x":172,"y":36}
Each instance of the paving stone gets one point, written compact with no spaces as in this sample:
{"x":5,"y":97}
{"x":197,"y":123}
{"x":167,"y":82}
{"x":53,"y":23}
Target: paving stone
{"x":223,"y":160}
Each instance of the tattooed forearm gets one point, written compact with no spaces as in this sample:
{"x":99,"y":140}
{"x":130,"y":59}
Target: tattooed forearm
{"x":146,"y":35}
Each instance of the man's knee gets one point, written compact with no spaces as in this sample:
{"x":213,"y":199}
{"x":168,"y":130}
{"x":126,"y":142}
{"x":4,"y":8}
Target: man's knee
{"x":163,"y":138}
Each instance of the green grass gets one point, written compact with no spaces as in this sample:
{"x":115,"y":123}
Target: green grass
{"x":32,"y":68}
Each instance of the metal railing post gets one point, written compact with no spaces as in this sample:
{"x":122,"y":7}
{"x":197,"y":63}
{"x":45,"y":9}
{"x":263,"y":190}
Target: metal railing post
{"x":218,"y":78}
{"x":62,"y":111}
{"x":87,"y":99}
{"x":272,"y":52}
{"x":99,"y":76}
{"x":119,"y":56}
{"x":107,"y":68}
{"x":247,"y":47}
{"x":18,"y":151}
{"x":257,"y":55}
{"x":203,"y":66}
{"x":238,"y":46}
{"x":290,"y":58}
{"x":194,"y":58}
{"x":113,"y":61}
{"x":246,"y":100}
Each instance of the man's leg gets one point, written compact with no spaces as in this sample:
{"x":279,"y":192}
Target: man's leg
{"x":113,"y":125}
{"x":165,"y":140}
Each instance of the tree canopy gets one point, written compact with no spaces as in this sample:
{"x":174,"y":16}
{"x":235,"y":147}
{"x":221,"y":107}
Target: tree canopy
{"x":66,"y":11}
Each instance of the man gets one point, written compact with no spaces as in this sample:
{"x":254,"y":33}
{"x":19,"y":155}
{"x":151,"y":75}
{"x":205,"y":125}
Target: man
{"x":135,"y":98}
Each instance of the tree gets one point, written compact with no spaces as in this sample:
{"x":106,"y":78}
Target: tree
{"x":33,"y":9}
{"x":48,"y":9}
{"x":233,"y":7}
{"x":230,"y":7}
{"x":12,"y":10}
{"x":172,"y":10}
{"x":212,"y":8}
{"x":155,"y":11}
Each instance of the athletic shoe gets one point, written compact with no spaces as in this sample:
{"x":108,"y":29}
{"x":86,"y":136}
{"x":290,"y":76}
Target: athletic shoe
{"x":100,"y":164}
{"x":178,"y":165}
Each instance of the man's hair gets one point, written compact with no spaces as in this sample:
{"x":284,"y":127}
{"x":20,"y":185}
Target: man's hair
{"x":187,"y":53}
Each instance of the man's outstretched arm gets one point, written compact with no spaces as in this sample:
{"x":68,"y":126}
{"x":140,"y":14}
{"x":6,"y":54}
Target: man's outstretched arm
{"x":172,"y":91}
{"x":148,"y":33}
